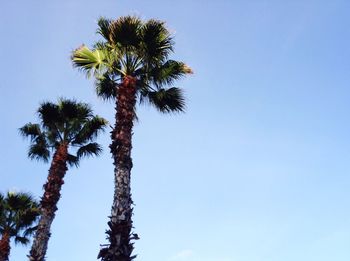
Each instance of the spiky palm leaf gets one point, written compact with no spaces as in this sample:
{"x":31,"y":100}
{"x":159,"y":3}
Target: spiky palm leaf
{"x":89,"y":150}
{"x":157,"y":43}
{"x":90,"y":61}
{"x":168,"y":72}
{"x":103,"y":28}
{"x":166,"y":100}
{"x":89,"y":130}
{"x":106,"y":87}
{"x":125,"y":33}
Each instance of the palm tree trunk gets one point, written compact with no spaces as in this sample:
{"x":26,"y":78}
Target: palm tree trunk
{"x":5,"y":246}
{"x":49,"y":203}
{"x":120,"y":224}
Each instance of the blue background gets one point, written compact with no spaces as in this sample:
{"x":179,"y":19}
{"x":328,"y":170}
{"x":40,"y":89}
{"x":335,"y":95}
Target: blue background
{"x":256,"y":170}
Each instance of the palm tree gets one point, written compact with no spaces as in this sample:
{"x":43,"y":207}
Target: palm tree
{"x":18,"y":215}
{"x":130,"y":63}
{"x":63,"y":126}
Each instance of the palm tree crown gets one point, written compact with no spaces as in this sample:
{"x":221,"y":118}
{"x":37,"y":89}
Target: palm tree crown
{"x":18,"y":215}
{"x":67,"y":122}
{"x":131,"y":47}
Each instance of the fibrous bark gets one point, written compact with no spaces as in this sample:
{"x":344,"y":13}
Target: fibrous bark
{"x":48,"y":204}
{"x":5,"y":246}
{"x":119,"y":233}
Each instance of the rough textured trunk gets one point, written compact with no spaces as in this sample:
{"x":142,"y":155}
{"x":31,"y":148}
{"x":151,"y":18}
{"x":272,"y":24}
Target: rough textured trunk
{"x":5,"y":246}
{"x":119,"y":234}
{"x":49,"y":203}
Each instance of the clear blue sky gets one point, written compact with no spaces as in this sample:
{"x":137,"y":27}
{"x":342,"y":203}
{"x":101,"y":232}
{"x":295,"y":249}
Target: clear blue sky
{"x":258,"y":167}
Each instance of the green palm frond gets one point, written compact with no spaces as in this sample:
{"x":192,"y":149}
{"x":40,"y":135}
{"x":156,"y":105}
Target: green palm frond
{"x":102,"y":46}
{"x":125,"y":32}
{"x":26,"y":217}
{"x":104,"y":28}
{"x":105,"y":87}
{"x":18,"y":201}
{"x":29,"y":212}
{"x":91,"y":149}
{"x":157,"y":42}
{"x":72,"y":160}
{"x":90,"y":130}
{"x":52,"y":136}
{"x":15,"y":201}
{"x":30,"y":130}
{"x":75,"y":115}
{"x":169,"y":72}
{"x":49,"y":114}
{"x":30,"y":231}
{"x":72,"y":110}
{"x":21,"y":240}
{"x":39,"y":150}
{"x":166,"y":100}
{"x":90,"y":61}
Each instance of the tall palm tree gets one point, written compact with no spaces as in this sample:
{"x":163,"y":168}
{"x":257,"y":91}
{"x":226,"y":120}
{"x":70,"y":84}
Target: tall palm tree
{"x":67,"y":129}
{"x":130,"y":63}
{"x":18,"y":215}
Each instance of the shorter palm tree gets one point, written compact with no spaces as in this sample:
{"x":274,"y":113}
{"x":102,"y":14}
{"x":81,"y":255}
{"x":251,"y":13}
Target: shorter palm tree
{"x":68,"y":129}
{"x":18,"y":215}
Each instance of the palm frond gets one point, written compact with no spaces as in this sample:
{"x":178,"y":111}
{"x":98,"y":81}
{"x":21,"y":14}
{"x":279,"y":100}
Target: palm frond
{"x":104,"y":28}
{"x":52,"y":136}
{"x":89,"y":61}
{"x":91,"y":149}
{"x":169,"y":72}
{"x":21,"y":240}
{"x":72,"y":110}
{"x":49,"y":115}
{"x":102,"y":46}
{"x":30,"y":231}
{"x":157,"y":42}
{"x":125,"y":32}
{"x":25,"y":219}
{"x":105,"y":87}
{"x":90,"y":130}
{"x":72,"y":160}
{"x":21,"y":202}
{"x":166,"y":100}
{"x":39,"y":148}
{"x":30,"y":130}
{"x":39,"y":151}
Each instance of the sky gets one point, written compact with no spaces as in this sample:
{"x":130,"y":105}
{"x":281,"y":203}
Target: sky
{"x":257,"y":169}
